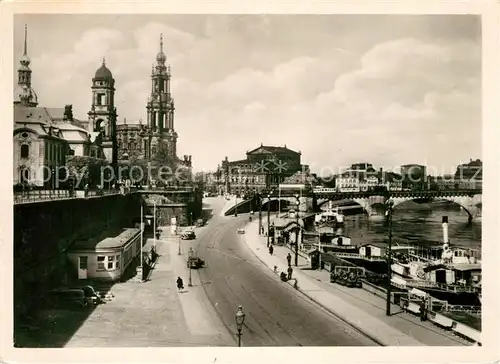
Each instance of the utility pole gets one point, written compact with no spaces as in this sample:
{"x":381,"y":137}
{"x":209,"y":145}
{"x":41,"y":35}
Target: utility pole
{"x":154,"y":225}
{"x":390,"y":204}
{"x":268,"y":217}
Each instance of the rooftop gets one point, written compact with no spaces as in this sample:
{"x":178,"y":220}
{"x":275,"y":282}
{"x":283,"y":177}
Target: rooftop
{"x":108,"y":242}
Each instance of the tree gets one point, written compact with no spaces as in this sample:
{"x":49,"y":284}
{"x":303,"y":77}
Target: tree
{"x":85,"y":169}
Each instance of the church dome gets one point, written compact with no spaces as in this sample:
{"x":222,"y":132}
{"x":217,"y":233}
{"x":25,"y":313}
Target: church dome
{"x":103,"y":72}
{"x":25,"y":60}
{"x":161,"y":57}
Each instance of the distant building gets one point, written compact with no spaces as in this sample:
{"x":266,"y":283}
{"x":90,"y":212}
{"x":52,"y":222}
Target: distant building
{"x":414,"y":176}
{"x":359,"y":177}
{"x":264,"y":168}
{"x":470,"y":175}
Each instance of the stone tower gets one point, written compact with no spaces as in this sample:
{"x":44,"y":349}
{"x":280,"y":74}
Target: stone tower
{"x":23,"y":94}
{"x":102,"y":115}
{"x":160,"y":109}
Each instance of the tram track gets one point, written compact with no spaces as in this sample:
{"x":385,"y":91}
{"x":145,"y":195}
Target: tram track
{"x":234,"y":275}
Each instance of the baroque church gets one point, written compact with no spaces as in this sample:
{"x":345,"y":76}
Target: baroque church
{"x":45,"y":138}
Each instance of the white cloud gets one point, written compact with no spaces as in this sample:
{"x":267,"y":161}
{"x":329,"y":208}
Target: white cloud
{"x":398,"y":101}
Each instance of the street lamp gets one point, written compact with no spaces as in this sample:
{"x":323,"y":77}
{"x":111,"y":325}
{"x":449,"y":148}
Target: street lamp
{"x":190,"y":284}
{"x":268,"y":216}
{"x":235,"y":206}
{"x":240,"y":318}
{"x":298,"y":229}
{"x":259,"y":201}
{"x":390,"y":204}
{"x":154,"y":225}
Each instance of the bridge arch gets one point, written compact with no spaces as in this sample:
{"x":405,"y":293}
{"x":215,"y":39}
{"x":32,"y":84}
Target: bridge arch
{"x":322,"y":203}
{"x":471,"y":205}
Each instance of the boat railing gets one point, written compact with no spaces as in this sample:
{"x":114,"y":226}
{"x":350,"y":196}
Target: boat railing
{"x":358,"y":256}
{"x":464,"y":308}
{"x":441,"y":286}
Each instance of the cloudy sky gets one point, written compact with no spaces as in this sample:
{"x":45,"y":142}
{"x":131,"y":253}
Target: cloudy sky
{"x":388,"y":90}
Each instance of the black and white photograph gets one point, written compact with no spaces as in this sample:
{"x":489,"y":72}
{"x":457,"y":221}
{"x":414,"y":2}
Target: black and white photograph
{"x":248,"y":180}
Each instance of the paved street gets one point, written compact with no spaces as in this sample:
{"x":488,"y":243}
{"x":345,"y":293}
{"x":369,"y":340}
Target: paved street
{"x":154,"y":313}
{"x":357,"y":306}
{"x":277,"y":315}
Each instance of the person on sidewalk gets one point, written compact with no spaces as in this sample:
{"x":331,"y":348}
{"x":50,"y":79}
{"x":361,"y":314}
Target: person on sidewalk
{"x":289,"y":259}
{"x":271,"y":249}
{"x":423,"y":313}
{"x":290,"y":271}
{"x":180,"y":283}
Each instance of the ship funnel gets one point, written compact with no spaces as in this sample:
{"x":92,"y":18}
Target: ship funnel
{"x":445,"y":229}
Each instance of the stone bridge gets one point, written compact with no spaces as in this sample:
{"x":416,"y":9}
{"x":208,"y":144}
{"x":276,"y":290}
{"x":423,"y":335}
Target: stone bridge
{"x":375,"y":202}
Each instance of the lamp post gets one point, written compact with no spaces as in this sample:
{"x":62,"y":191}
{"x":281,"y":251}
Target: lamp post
{"x":240,"y":319}
{"x":235,"y":206}
{"x":190,"y":284}
{"x":390,"y":204}
{"x":259,"y":201}
{"x":297,"y":234}
{"x":268,"y":216}
{"x":154,"y":225}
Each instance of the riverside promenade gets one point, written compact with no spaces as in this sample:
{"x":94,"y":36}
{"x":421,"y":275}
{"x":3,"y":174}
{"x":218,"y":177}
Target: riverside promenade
{"x":154,"y":312}
{"x":356,"y":306}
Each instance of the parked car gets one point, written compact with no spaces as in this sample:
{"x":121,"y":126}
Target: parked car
{"x":188,"y":235}
{"x":73,"y":297}
{"x":195,"y":263}
{"x":200,"y":222}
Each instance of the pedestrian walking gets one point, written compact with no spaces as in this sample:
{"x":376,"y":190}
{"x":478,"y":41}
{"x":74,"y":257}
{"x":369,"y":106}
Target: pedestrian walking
{"x":271,"y":249}
{"x":290,"y":271}
{"x":180,"y":283}
{"x":289,"y":259}
{"x":423,"y":313}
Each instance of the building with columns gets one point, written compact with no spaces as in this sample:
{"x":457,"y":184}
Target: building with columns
{"x":264,"y":168}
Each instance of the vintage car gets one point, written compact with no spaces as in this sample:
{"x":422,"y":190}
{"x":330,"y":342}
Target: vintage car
{"x":241,"y":231}
{"x":200,"y":222}
{"x":195,"y":263}
{"x":188,"y":235}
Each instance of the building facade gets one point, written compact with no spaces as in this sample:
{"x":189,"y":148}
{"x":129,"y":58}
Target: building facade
{"x":414,"y":176}
{"x":102,"y":114}
{"x":155,"y":140}
{"x":470,"y":175}
{"x":264,"y":168}
{"x":44,"y":137}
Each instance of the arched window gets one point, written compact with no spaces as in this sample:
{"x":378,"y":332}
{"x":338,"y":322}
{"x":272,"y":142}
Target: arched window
{"x":98,"y":125}
{"x":25,"y":151}
{"x":24,"y":175}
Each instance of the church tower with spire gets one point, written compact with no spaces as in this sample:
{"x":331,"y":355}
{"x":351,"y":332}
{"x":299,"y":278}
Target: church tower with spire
{"x":102,"y":114}
{"x":24,"y":94}
{"x":160,"y":109}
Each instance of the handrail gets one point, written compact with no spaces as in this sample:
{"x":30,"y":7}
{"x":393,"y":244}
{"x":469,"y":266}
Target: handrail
{"x":444,"y":287}
{"x":56,"y":195}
